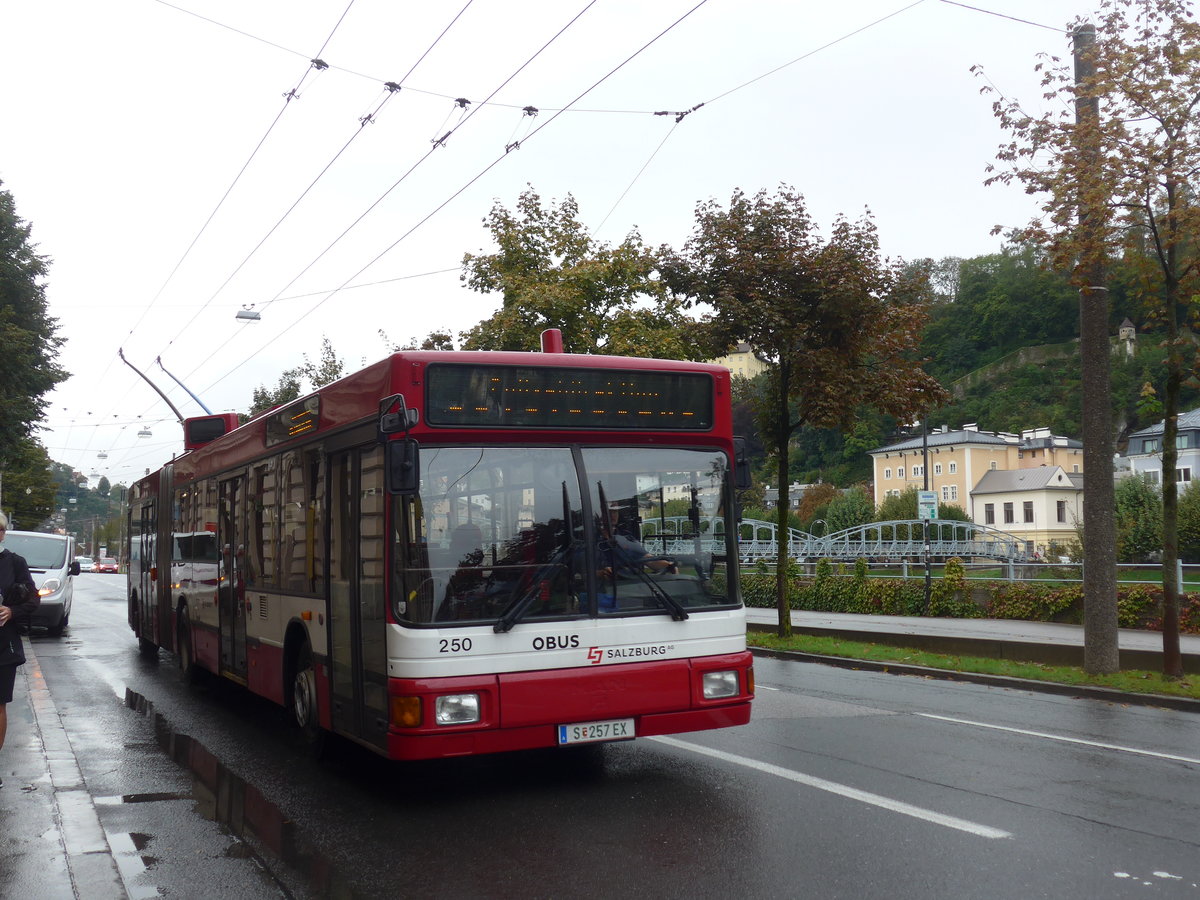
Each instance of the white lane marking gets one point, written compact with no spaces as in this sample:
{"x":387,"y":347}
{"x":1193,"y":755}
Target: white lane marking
{"x":1065,"y":739}
{"x":842,"y":790}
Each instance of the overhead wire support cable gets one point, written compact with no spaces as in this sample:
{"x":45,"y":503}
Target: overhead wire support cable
{"x":470,"y":182}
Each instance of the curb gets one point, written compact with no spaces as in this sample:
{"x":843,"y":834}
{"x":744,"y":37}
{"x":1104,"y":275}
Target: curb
{"x":1182,"y":704}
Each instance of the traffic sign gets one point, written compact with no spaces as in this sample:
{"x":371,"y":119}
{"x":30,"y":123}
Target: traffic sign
{"x":926,"y":504}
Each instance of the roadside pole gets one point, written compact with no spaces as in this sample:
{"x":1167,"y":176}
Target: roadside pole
{"x":923,"y":509}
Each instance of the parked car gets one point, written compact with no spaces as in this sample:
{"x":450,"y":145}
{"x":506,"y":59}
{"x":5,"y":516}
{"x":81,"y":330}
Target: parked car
{"x":86,"y":563}
{"x":51,"y":564}
{"x":107,"y":565}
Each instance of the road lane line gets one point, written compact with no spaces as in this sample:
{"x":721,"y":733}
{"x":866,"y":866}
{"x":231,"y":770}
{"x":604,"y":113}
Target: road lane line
{"x":842,"y":790}
{"x":1065,"y":739}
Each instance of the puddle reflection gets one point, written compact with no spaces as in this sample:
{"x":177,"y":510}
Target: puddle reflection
{"x":224,"y":798}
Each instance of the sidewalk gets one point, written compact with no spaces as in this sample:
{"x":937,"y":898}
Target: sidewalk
{"x":1044,"y":642}
{"x":54,"y":845}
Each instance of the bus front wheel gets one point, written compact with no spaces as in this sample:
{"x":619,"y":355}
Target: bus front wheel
{"x":304,"y":699}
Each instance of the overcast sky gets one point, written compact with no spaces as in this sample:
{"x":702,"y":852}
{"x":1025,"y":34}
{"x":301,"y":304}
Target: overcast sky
{"x":151,"y":147}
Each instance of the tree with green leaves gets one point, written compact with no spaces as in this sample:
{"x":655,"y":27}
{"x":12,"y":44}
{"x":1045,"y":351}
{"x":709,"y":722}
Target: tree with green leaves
{"x":29,"y":341}
{"x":1139,"y":519}
{"x":29,"y":485}
{"x":850,"y":508}
{"x":551,"y":273}
{"x":838,"y":323}
{"x":328,"y":368}
{"x":1123,"y":181}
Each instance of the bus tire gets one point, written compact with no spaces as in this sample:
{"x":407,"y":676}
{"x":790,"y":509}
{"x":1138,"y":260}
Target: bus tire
{"x":146,"y":647}
{"x":184,"y":651}
{"x":304,"y":700}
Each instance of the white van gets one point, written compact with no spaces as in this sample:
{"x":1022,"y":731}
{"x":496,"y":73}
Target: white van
{"x":51,"y":559}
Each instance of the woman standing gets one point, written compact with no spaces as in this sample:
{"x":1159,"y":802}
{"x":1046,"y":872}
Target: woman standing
{"x":20,"y":599}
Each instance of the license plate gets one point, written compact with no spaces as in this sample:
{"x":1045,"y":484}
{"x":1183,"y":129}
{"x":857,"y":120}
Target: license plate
{"x":587,"y":732}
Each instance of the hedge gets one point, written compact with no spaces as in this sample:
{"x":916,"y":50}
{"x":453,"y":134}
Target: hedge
{"x":842,"y":590}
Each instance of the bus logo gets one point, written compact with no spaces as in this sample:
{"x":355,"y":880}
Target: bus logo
{"x":595,"y":654}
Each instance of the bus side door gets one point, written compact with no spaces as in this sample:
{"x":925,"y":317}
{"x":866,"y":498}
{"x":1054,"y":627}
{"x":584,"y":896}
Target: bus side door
{"x":357,"y":614}
{"x":231,"y":537}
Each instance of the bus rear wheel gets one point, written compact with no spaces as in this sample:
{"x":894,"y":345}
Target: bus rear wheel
{"x":183,"y":649}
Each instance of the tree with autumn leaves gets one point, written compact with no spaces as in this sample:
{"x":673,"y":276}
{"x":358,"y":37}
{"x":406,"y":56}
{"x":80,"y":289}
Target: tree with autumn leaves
{"x":1123,"y":184}
{"x":838,"y":322}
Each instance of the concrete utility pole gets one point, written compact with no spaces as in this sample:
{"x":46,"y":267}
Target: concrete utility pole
{"x":1099,"y":532}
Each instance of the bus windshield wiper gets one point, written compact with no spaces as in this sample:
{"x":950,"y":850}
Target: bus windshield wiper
{"x":516,"y":611}
{"x":678,"y":613}
{"x":566,"y":548}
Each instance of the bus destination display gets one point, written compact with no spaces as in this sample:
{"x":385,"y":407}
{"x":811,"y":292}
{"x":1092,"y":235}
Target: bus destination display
{"x":293,"y":421}
{"x":529,"y":397}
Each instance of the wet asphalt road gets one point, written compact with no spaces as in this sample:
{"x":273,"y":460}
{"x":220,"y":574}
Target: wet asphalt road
{"x":844,"y":784}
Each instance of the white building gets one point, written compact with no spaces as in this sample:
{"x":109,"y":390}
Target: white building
{"x":1144,"y":450}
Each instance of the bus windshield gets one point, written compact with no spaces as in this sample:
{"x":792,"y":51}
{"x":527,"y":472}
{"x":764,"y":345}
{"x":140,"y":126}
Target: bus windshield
{"x":500,"y":535}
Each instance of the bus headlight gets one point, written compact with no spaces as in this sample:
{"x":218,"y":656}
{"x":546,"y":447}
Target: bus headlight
{"x":720,"y":684}
{"x":457,"y":709}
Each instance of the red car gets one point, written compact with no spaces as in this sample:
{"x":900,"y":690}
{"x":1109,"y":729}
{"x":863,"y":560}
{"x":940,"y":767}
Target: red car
{"x":107,"y":565}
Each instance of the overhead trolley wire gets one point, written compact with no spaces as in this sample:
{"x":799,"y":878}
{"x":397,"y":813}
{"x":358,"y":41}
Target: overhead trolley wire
{"x":391,"y":88}
{"x":315,"y":63}
{"x":468,"y":184}
{"x":434,"y":146}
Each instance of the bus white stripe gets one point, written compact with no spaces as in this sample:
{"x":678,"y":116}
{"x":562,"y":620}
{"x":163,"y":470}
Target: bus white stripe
{"x":842,"y":790}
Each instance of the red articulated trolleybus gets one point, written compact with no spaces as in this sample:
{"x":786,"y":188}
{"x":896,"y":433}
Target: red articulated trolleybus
{"x":453,"y":553}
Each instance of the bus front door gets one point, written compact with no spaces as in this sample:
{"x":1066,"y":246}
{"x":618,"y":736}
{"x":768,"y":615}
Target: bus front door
{"x":357,"y":617}
{"x":231,"y":591}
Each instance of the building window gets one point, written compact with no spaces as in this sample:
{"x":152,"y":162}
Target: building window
{"x":937,"y":468}
{"x":989,"y":514}
{"x":1008,"y":514}
{"x":887,"y":473}
{"x":900,"y":472}
{"x":918,"y":471}
{"x":1184,"y":474}
{"x":1062,"y":510}
{"x":945,"y":492}
{"x":1028,"y":511}
{"x":1150,"y":445}
{"x":953,"y":467}
{"x":954,"y":492}
{"x":1075,"y":468}
{"x":1183,"y":441}
{"x":992,"y":465}
{"x":1151,"y":476}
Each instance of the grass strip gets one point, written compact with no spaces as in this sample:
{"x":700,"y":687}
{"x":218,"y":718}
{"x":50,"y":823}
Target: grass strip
{"x":1130,"y":680}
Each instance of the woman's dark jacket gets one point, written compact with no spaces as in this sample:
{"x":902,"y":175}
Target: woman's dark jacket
{"x":21,"y":596}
